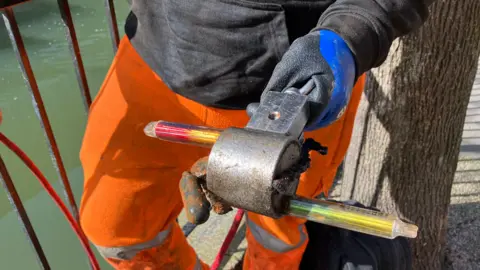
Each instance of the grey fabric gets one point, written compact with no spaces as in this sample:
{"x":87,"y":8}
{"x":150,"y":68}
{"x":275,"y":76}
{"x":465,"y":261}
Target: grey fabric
{"x":272,"y":243}
{"x":342,"y":249}
{"x":221,"y":53}
{"x":198,"y":265}
{"x":370,"y":26}
{"x":128,"y":252}
{"x":211,"y":51}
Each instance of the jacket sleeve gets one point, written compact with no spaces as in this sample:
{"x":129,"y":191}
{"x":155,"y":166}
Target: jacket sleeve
{"x":370,"y":26}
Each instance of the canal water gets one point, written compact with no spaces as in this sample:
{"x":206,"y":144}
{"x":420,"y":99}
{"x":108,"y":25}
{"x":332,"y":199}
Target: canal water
{"x":43,"y":33}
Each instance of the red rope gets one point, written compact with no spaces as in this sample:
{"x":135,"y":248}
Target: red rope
{"x":46,"y":185}
{"x":228,"y":239}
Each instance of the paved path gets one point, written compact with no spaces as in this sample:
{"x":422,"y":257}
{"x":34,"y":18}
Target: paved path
{"x":463,"y":246}
{"x":207,"y":239}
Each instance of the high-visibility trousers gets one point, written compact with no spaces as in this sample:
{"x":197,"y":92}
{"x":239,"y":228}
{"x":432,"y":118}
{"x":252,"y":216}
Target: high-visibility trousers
{"x":131,"y":198}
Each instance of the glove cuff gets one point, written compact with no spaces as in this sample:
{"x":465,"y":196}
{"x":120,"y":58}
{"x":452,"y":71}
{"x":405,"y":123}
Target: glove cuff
{"x":339,"y":58}
{"x":338,"y":55}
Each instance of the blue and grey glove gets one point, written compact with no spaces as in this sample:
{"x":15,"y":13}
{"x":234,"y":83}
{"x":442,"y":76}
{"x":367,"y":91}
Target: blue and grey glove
{"x":322,"y":60}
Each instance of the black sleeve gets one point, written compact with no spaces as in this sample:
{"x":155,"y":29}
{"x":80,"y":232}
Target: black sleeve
{"x":370,"y":26}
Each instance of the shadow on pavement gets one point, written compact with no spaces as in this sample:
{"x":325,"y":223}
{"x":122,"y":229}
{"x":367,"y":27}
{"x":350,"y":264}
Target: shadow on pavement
{"x":463,"y":237}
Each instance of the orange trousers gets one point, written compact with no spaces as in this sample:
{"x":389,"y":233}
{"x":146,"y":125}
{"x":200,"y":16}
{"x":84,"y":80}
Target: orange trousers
{"x":131,"y":197}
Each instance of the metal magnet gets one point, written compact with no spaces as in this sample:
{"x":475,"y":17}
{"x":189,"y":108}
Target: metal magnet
{"x":243,"y":164}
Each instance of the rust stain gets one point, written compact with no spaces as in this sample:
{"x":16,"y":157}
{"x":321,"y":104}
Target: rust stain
{"x":194,"y":200}
{"x":197,"y":199}
{"x":199,"y":169}
{"x":219,"y":206}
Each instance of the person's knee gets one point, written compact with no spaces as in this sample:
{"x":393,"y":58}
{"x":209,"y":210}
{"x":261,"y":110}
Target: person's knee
{"x":274,"y":243}
{"x":98,"y":226}
{"x":277,"y":236}
{"x":124,"y":219}
{"x":167,"y":249}
{"x":117,"y":238}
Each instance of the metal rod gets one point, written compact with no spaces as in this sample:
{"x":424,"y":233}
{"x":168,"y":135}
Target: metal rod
{"x":29,"y":77}
{"x":75,"y":51}
{"x":351,"y":218}
{"x":112,"y":24}
{"x":181,"y":133}
{"x":22,"y":215}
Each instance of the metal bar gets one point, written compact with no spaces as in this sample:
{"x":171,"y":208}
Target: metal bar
{"x":75,"y":51}
{"x":17,"y":205}
{"x":29,"y":77}
{"x":112,"y":24}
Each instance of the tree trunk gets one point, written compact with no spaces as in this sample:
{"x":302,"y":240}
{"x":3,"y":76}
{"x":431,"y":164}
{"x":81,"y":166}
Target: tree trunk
{"x":407,"y":135}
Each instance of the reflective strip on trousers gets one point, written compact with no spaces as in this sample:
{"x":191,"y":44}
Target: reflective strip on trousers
{"x":198,"y":265}
{"x":128,"y":252}
{"x":268,"y":241}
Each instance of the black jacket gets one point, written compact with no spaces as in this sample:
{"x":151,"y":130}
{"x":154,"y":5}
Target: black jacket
{"x":222,"y":52}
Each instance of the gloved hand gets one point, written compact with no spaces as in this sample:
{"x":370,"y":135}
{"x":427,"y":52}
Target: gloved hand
{"x":322,"y":60}
{"x":197,"y":199}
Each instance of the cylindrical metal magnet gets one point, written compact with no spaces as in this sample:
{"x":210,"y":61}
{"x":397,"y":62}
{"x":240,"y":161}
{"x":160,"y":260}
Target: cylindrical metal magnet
{"x":242,"y":173}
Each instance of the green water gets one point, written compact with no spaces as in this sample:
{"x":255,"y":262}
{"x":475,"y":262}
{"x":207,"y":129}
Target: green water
{"x":44,"y":36}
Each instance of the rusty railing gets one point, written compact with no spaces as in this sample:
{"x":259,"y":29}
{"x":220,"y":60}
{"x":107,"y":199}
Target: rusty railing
{"x":8,"y":14}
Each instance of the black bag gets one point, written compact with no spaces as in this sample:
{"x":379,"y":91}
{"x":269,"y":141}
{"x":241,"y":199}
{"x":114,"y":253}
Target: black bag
{"x":333,"y":248}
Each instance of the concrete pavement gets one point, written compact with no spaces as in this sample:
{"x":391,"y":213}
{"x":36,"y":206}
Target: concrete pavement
{"x":463,"y":239}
